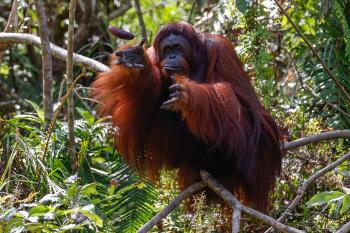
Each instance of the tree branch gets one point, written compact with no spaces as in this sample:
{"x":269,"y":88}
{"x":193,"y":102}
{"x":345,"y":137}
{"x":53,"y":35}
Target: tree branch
{"x":56,"y":51}
{"x":233,"y":202}
{"x":120,"y":11}
{"x":306,"y":184}
{"x":69,"y":81}
{"x":316,"y":138}
{"x":46,"y":62}
{"x":344,"y":229}
{"x":11,"y":25}
{"x":141,"y":22}
{"x":172,"y":205}
{"x":236,"y":218}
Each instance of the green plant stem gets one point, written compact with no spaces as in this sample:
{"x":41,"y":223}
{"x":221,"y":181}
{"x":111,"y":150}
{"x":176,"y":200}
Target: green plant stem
{"x":55,"y":115}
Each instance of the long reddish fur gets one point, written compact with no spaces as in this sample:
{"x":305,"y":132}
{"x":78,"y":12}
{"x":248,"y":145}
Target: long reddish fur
{"x":221,"y":127}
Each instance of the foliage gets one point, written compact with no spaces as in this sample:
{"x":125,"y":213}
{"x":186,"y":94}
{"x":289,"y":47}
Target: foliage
{"x":41,"y":195}
{"x":105,"y":192}
{"x":62,"y":211}
{"x":327,"y":28}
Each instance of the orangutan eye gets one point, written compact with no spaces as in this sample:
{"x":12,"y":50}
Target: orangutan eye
{"x":166,"y":49}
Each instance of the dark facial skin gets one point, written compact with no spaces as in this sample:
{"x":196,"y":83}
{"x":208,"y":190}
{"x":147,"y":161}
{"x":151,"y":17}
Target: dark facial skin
{"x":132,"y":57}
{"x":175,"y":56}
{"x":174,"y":51}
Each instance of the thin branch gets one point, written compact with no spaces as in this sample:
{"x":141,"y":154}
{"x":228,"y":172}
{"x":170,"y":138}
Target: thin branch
{"x":141,"y":22}
{"x":344,"y":229}
{"x":82,"y":99}
{"x":69,"y":81}
{"x":120,"y":11}
{"x":302,"y":189}
{"x":191,"y":12}
{"x":85,"y":98}
{"x":7,"y":102}
{"x":309,"y":89}
{"x":172,"y":205}
{"x":233,"y":201}
{"x":11,"y":25}
{"x":55,"y":116}
{"x":56,"y":51}
{"x":316,"y":138}
{"x":60,"y":92}
{"x":46,"y":62}
{"x":325,"y":67}
{"x":12,"y":21}
{"x":57,"y":111}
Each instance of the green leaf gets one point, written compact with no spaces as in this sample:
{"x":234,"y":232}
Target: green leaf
{"x":88,"y":212}
{"x":4,"y":69}
{"x":38,"y":110}
{"x":72,"y":190}
{"x":324,"y":197}
{"x":86,"y":115}
{"x":345,"y":206}
{"x":98,"y":159}
{"x":89,"y":189}
{"x":21,"y":214}
{"x":242,"y":5}
{"x":38,"y":209}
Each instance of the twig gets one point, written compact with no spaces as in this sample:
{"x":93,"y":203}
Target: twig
{"x":7,"y":102}
{"x":325,"y":101}
{"x":55,"y":115}
{"x":307,"y":88}
{"x":69,"y":81}
{"x":344,"y":229}
{"x":191,"y":12}
{"x":325,"y":67}
{"x":233,"y":201}
{"x":82,"y":99}
{"x":85,"y":98}
{"x":12,"y":21}
{"x":46,"y":62}
{"x":120,"y":11}
{"x":60,"y":92}
{"x":316,"y":138}
{"x":11,"y":25}
{"x":141,"y":22}
{"x":172,"y":205}
{"x":58,"y":52}
{"x":305,"y":185}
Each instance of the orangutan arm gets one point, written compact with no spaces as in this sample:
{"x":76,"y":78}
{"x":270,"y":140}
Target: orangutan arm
{"x":128,"y":93}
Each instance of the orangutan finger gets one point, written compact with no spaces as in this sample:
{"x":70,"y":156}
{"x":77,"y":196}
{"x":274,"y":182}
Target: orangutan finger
{"x":176,"y":94}
{"x":176,"y":87}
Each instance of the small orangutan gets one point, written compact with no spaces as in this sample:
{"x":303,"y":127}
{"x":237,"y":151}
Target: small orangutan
{"x":186,"y":103}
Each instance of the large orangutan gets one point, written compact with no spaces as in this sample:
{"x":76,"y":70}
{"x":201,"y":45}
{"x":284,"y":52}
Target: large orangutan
{"x":185,"y":103}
